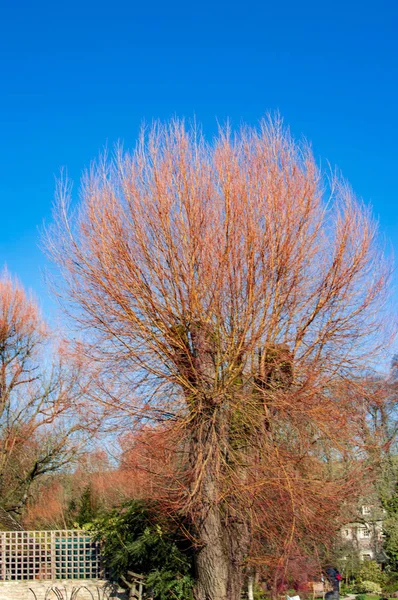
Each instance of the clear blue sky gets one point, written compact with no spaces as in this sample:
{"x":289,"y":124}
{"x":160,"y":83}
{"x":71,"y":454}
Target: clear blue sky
{"x":78,"y":75}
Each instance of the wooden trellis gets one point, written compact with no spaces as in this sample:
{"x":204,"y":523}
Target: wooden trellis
{"x":62,"y":554}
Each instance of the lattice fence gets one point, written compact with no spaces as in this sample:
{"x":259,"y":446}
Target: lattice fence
{"x":63,"y":554}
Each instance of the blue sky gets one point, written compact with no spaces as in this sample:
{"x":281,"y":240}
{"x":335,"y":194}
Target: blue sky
{"x":75,"y":76}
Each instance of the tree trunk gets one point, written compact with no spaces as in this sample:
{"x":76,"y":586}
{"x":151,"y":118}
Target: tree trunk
{"x":222,"y":536}
{"x":219,"y":563}
{"x":224,"y":539}
{"x":238,"y":545}
{"x":212,"y":560}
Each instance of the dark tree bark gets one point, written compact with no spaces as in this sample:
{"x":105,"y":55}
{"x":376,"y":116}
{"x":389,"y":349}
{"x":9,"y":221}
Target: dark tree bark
{"x":222,"y":533}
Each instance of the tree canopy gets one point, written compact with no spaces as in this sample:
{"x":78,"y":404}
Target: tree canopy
{"x":230,"y":297}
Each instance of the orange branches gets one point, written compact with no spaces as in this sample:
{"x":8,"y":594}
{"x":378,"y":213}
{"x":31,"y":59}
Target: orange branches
{"x":228,"y":293}
{"x":41,"y":398}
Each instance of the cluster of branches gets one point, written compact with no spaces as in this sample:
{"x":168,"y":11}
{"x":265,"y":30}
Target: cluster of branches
{"x":94,"y":486}
{"x":230,"y":300}
{"x":43,"y":422}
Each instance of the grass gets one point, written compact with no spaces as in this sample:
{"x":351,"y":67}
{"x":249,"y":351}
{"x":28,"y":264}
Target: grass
{"x":375,"y":596}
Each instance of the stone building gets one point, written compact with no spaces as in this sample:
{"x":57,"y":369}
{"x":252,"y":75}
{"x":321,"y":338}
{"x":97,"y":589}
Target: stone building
{"x":365,"y":535}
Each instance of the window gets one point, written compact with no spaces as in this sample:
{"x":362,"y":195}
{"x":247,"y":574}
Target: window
{"x":365,"y":532}
{"x":366,"y":557}
{"x":366,"y":510}
{"x":347,"y":532}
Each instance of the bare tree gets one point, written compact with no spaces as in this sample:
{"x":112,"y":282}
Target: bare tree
{"x":235,"y":301}
{"x":41,"y":416}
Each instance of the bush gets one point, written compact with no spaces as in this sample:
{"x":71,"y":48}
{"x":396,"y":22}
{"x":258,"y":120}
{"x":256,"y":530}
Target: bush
{"x":135,"y":537}
{"x":391,"y":586}
{"x":165,"y":585}
{"x":369,"y":587}
{"x":371,"y":571}
{"x":346,"y":589}
{"x":389,"y":590}
{"x":360,"y":597}
{"x":259,"y":593}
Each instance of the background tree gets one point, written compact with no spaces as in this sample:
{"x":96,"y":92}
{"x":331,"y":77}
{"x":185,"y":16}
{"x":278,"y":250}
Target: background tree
{"x":41,"y":421}
{"x":93,"y":485}
{"x":390,"y":529}
{"x":381,"y":402}
{"x":232,"y":301}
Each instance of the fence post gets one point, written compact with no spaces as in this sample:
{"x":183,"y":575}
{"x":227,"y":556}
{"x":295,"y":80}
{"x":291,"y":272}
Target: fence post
{"x":3,"y":556}
{"x":52,"y":546}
